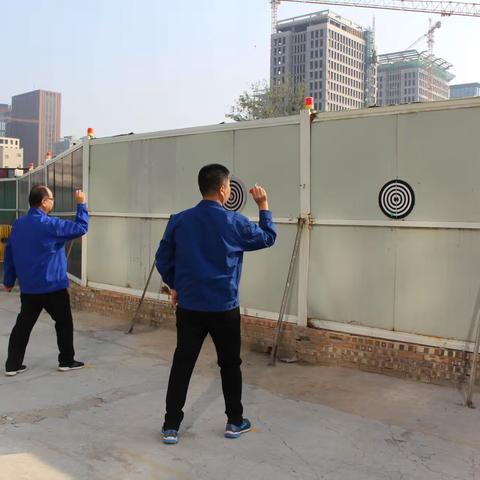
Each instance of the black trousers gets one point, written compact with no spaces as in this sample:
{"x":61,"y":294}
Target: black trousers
{"x":192,"y":328}
{"x":57,"y":304}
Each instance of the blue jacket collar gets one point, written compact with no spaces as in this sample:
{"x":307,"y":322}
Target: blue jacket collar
{"x":209,"y":204}
{"x":36,"y":211}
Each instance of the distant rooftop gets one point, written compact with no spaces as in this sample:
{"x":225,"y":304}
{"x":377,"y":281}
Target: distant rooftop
{"x":466,"y":85}
{"x":303,"y":21}
{"x":415,"y":59}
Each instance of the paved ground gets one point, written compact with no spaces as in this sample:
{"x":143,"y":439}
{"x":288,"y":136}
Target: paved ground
{"x":311,"y":422}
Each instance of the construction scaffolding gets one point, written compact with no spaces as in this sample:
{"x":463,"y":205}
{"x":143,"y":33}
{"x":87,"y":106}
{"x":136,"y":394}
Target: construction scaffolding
{"x":411,"y":76}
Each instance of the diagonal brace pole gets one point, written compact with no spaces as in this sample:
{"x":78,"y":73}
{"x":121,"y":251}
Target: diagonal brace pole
{"x":134,"y":319}
{"x":473,"y":371}
{"x":286,"y":292}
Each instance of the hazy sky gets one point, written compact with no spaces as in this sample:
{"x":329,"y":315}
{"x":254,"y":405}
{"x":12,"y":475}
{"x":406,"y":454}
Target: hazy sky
{"x":147,"y":65}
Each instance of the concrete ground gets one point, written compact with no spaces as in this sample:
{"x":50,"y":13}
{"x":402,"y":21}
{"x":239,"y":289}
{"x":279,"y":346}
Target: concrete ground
{"x":310,"y":422}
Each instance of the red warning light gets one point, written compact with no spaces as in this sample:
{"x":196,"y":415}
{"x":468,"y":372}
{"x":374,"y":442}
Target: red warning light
{"x":309,"y":103}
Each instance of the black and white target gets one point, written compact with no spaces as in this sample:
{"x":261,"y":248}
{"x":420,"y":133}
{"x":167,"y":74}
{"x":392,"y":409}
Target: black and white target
{"x":238,"y":197}
{"x":396,"y":199}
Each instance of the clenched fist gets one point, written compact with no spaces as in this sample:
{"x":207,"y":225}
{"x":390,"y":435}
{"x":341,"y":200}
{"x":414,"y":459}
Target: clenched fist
{"x":80,"y":197}
{"x":259,"y":195}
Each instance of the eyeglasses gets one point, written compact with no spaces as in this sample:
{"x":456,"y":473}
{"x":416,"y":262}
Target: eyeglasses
{"x":50,"y":198}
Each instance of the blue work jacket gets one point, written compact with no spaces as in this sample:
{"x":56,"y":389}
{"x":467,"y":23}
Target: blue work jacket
{"x":201,"y":254}
{"x":35,"y":252}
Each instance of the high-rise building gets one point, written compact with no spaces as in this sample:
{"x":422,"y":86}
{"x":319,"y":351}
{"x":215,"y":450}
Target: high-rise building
{"x":409,"y":76}
{"x":64,"y":144}
{"x":331,"y":56}
{"x":463,"y":90}
{"x":35,"y":120}
{"x":4,"y":117}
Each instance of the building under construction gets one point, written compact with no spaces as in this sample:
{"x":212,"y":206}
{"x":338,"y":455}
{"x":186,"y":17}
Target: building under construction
{"x":331,"y":56}
{"x":410,"y":76}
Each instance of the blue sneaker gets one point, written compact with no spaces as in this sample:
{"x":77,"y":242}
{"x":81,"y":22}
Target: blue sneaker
{"x":170,"y":437}
{"x":234,"y":431}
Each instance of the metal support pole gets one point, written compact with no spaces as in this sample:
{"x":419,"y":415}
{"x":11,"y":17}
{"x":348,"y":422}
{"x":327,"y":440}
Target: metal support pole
{"x":134,"y":320}
{"x":70,"y":248}
{"x":286,"y":292}
{"x":86,"y":190}
{"x":17,"y":185}
{"x":473,"y":371}
{"x":305,"y":211}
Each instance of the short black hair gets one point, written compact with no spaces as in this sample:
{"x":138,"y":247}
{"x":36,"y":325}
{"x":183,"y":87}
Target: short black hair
{"x":37,"y":194}
{"x":212,"y":177}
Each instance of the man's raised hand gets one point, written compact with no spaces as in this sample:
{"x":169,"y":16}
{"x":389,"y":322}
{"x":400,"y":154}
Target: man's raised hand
{"x":80,"y":197}
{"x":259,"y":195}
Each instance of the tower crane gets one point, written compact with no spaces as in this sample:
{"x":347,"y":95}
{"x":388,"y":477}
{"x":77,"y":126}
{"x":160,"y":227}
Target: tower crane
{"x":430,"y":43}
{"x":429,"y":36}
{"x":444,"y":8}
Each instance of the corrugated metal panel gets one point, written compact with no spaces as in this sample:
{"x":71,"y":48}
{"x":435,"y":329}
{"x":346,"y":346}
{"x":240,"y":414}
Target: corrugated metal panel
{"x":136,"y":176}
{"x":351,"y":161}
{"x":437,"y":282}
{"x":352,"y":275}
{"x":439,"y":154}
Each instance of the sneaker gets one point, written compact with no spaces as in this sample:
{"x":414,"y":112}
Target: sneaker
{"x":12,"y":373}
{"x":66,"y":367}
{"x":234,"y":431}
{"x":170,"y":437}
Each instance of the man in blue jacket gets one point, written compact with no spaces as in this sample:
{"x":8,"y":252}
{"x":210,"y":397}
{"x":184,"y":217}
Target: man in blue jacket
{"x":35,"y":254}
{"x":200,"y":259}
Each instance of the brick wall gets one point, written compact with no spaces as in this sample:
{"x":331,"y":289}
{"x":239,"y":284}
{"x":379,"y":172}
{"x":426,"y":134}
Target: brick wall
{"x":120,"y":305}
{"x":307,"y":344}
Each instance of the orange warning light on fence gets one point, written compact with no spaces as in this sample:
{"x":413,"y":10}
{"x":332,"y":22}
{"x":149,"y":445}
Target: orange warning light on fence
{"x":309,"y":103}
{"x":90,"y":133}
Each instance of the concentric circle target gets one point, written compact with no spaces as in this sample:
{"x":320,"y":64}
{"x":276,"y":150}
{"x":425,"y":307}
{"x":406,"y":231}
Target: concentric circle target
{"x":396,"y":199}
{"x":238,"y":197}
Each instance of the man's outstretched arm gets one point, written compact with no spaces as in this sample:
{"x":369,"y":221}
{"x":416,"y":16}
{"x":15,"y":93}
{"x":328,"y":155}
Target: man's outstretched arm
{"x":252,"y":236}
{"x":68,"y":229}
